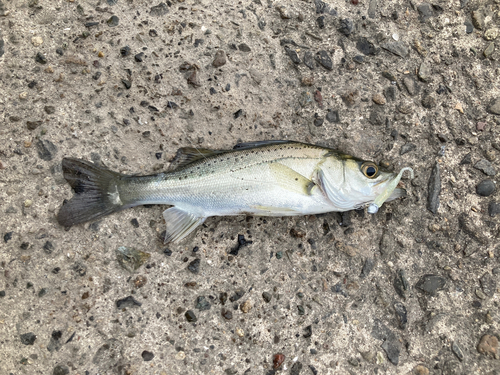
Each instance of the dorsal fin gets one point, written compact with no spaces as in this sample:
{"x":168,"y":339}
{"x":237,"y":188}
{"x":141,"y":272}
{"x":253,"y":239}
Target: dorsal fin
{"x":248,"y":145}
{"x":188,"y":155}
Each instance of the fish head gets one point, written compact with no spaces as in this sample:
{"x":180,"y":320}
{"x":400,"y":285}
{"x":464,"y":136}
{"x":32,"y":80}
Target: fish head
{"x":352,"y":183}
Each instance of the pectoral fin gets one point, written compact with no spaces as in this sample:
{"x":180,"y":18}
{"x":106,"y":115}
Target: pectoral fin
{"x":180,"y":223}
{"x":290,"y":180}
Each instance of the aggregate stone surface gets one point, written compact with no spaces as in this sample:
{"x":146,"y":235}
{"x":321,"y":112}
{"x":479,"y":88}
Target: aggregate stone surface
{"x":412,"y":289}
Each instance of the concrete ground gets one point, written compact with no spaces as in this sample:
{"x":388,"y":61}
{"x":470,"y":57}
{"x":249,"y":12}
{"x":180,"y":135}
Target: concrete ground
{"x":412,"y":289}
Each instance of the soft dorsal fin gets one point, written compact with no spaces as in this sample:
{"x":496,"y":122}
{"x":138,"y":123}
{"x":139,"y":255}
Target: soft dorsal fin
{"x":188,"y":155}
{"x":248,"y":145}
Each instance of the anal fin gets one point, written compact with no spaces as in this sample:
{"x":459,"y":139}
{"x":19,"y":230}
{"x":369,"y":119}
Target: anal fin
{"x":180,"y":223}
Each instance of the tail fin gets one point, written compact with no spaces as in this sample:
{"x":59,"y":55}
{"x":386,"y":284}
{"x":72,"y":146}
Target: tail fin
{"x":96,"y":192}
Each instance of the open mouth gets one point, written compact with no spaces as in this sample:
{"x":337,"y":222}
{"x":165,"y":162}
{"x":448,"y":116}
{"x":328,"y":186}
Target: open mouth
{"x":379,"y":201}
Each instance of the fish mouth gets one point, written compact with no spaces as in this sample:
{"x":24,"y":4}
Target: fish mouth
{"x":386,"y":194}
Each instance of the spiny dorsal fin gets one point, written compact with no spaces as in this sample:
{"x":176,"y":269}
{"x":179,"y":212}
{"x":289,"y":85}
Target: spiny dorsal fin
{"x":248,"y":145}
{"x":188,"y":155}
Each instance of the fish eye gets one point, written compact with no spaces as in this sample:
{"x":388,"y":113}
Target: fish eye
{"x":369,"y":169}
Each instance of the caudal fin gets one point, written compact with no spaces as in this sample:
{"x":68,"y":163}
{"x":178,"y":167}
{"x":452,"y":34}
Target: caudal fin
{"x":96,"y":192}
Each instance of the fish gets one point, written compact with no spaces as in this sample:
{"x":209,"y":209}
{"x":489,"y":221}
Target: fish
{"x":263,"y":178}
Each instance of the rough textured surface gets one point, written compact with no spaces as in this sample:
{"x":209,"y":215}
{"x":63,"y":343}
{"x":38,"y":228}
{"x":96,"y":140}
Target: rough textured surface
{"x":127,"y":82}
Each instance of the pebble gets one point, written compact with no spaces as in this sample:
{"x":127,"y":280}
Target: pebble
{"x":346,"y":249}
{"x":489,"y":50}
{"x":324,"y":60}
{"x":401,"y":314}
{"x":401,"y":284}
{"x":40,"y":58}
{"x":193,"y":79}
{"x":159,"y":10}
{"x":36,"y":41}
{"x":485,"y":188}
{"x":127,"y":302}
{"x":220,"y":59}
{"x":278,"y":360}
{"x":390,"y":93}
{"x":407,"y":147}
{"x":494,"y":106}
{"x":324,"y":8}
{"x":243,"y":47}
{"x":491,"y":34}
{"x":377,"y":117}
{"x":296,"y":368}
{"x":194,"y":266}
{"x":202,"y":303}
{"x":397,"y":47}
{"x":113,"y":21}
{"x":486,"y":167}
{"x":426,"y":11}
{"x":428,"y":101}
{"x":180,"y":355}
{"x":431,"y":284}
{"x":365,"y":46}
{"x":131,"y":259}
{"x":46,"y":149}
{"x":309,"y":60}
{"x":293,"y":55}
{"x":346,"y":26}
{"x":126,"y":83}
{"x":367,"y":267}
{"x":488,"y":345}
{"x":237,"y":295}
{"x":28,"y":338}
{"x":332,"y":116}
{"x":421,"y":370}
{"x":227,"y":314}
{"x":478,"y":19}
{"x":321,"y":22}
{"x":147,"y":356}
{"x":434,"y":189}
{"x":493,"y":208}
{"x":32,"y":125}
{"x":190,"y":316}
{"x":256,"y":75}
{"x":411,"y":85}
{"x":378,"y":99}
{"x":305,"y":98}
{"x":245,"y":307}
{"x":60,"y":370}
{"x":267,"y":297}
{"x":284,"y":12}
{"x":457,"y":350}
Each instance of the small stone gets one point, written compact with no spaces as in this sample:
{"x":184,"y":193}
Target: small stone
{"x":190,"y":316}
{"x":202,"y":304}
{"x":401,"y":314}
{"x":127,"y":302}
{"x":346,"y":249}
{"x":398,"y":48}
{"x":411,"y":85}
{"x":428,"y":101}
{"x":256,"y":75}
{"x":60,"y":370}
{"x":309,"y":60}
{"x":489,"y":50}
{"x":193,"y":79}
{"x":457,"y":350}
{"x":293,"y":55}
{"x":159,"y":10}
{"x":493,"y":208}
{"x":147,"y":356}
{"x":243,"y":47}
{"x":278,"y":360}
{"x":131,"y":259}
{"x":227,"y":314}
{"x":305,"y":98}
{"x":491,"y":34}
{"x":366,"y":47}
{"x":194,"y":266}
{"x":246,"y":306}
{"x":127,"y":83}
{"x":424,"y":72}
{"x":378,"y":99}
{"x":421,"y":370}
{"x":431,"y":284}
{"x":267,"y":297}
{"x":36,"y":41}
{"x":478,"y":19}
{"x":139,"y":57}
{"x":494,"y":106}
{"x":125,"y":51}
{"x":220,"y":59}
{"x":46,"y":149}
{"x":488,"y":345}
{"x":346,"y":26}
{"x":377,"y":117}
{"x":333,"y":116}
{"x":49,"y":109}
{"x":324,"y":8}
{"x":426,"y":11}
{"x":367,"y":267}
{"x":324,"y":60}
{"x":180,"y":355}
{"x":296,"y":368}
{"x":407,"y":147}
{"x":390,"y":93}
{"x":237,"y":295}
{"x":434,"y":189}
{"x":113,"y":21}
{"x":28,"y":338}
{"x":32,"y":125}
{"x":350,"y":97}
{"x":321,"y":22}
{"x":40,"y":58}
{"x":486,"y":167}
{"x":485,"y":188}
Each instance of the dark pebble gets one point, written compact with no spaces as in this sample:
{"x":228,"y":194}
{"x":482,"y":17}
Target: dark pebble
{"x":125,"y":51}
{"x":238,"y":113}
{"x":466,"y":160}
{"x":223,"y":298}
{"x":32,"y":84}
{"x":159,"y":10}
{"x":113,"y":21}
{"x":366,"y":47}
{"x":485,"y":166}
{"x":194,"y":266}
{"x":468,"y":27}
{"x":389,"y":75}
{"x":321,"y":22}
{"x":301,"y":309}
{"x":367,"y":267}
{"x":377,"y":117}
{"x":324,"y":60}
{"x":60,"y":370}
{"x":493,"y":209}
{"x":358,"y":59}
{"x":333,"y":116}
{"x":80,"y":269}
{"x":2,"y":47}
{"x":237,"y":295}
{"x":296,"y":368}
{"x":7,"y":236}
{"x":426,"y":11}
{"x":428,"y":101}
{"x":96,"y":76}
{"x":127,"y":83}
{"x":193,"y":79}
{"x":127,"y":302}
{"x":309,"y":60}
{"x":2,"y":293}
{"x":172,"y":105}
{"x":158,"y":155}
{"x":147,"y":356}
{"x":135,"y":223}
{"x":46,"y":149}
{"x":60,"y":51}
{"x":25,"y":245}
{"x":227,"y":314}
{"x":228,"y":87}
{"x":49,"y":109}
{"x":91,"y":24}
{"x":457,"y":350}
{"x":198,"y":42}
{"x":212,"y":91}
{"x":220,"y":59}
{"x":293,"y":55}
{"x":308,"y":332}
{"x":190,"y":316}
{"x":401,"y":284}
{"x":267,"y":297}
{"x":202,"y":303}
{"x":431,"y":284}
{"x":346,"y":26}
{"x":401,"y":314}
{"x":407,"y":147}
{"x":434,"y":189}
{"x":243,"y":47}
{"x":398,"y":48}
{"x":324,"y":8}
{"x":167,"y":252}
{"x":485,"y":188}
{"x":318,"y":121}
{"x":28,"y":338}
{"x":139,"y":57}
{"x":40,"y":58}
{"x":32,"y":125}
{"x":390,"y":93}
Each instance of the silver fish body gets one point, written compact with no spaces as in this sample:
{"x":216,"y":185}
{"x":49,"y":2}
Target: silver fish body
{"x":270,"y":178}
